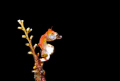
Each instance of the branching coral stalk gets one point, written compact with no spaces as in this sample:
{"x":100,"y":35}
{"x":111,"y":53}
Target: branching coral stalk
{"x":26,"y":31}
{"x":47,"y":49}
{"x":38,"y":68}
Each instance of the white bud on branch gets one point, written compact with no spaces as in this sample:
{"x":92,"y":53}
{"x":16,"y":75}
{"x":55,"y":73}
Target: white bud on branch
{"x":20,"y":21}
{"x":27,"y":44}
{"x":29,"y":52}
{"x":31,"y":29}
{"x":28,"y":29}
{"x":31,"y":37}
{"x":34,"y":71}
{"x":19,"y":27}
{"x":23,"y":36}
{"x":35,"y":46}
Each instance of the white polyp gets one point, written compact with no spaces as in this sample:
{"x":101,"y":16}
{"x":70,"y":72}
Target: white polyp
{"x":18,"y":20}
{"x":31,"y":29}
{"x":22,"y":20}
{"x":28,"y":29}
{"x":35,"y":45}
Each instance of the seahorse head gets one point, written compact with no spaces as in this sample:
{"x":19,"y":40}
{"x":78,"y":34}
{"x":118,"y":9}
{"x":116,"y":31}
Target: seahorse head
{"x":52,"y":35}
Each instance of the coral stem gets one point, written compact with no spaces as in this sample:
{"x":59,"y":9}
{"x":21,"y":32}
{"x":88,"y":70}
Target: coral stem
{"x":36,"y":57}
{"x":27,"y":37}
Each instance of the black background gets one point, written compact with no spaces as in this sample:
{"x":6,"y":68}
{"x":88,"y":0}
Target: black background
{"x":77,"y":55}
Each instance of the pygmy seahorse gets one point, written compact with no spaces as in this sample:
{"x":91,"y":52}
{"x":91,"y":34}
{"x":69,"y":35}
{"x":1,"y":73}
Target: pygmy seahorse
{"x":47,"y":49}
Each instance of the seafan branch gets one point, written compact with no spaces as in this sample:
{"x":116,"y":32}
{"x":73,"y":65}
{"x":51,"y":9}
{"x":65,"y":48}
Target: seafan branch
{"x":38,"y":65}
{"x":26,"y":31}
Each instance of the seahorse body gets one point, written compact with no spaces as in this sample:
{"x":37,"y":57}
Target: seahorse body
{"x":47,"y":49}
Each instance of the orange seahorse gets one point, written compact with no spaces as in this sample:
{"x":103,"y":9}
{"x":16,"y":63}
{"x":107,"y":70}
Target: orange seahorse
{"x":47,"y":49}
